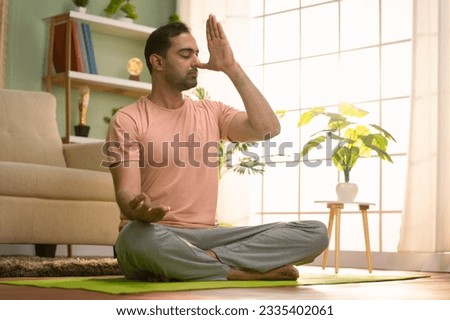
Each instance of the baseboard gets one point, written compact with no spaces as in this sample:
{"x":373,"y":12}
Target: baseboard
{"x":431,"y":262}
{"x":61,"y":250}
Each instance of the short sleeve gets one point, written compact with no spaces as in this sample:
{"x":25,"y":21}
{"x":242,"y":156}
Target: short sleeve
{"x":122,"y":143}
{"x":226,"y":116}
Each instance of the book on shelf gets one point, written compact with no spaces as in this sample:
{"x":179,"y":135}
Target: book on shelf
{"x":89,"y":48}
{"x":84,"y":57}
{"x":59,"y":48}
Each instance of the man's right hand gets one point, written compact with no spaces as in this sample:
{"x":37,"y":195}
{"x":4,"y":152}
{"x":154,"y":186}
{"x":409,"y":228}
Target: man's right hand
{"x":141,"y":208}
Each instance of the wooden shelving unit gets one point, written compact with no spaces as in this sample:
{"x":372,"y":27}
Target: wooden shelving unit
{"x":103,"y":83}
{"x":72,"y":79}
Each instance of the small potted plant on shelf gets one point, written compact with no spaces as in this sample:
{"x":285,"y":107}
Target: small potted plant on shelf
{"x":354,"y":140}
{"x":124,"y":6}
{"x":81,"y":5}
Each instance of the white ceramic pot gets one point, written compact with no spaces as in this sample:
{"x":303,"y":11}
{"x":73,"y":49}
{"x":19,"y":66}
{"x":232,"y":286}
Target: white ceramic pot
{"x":125,"y":19}
{"x":346,"y":191}
{"x":82,"y":9}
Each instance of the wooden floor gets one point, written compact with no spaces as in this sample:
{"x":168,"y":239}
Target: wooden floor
{"x":434,"y":287}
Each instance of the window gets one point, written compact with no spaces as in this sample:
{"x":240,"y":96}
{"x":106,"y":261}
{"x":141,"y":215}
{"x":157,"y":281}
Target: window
{"x":316,"y":52}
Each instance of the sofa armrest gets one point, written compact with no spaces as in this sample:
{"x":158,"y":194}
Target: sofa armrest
{"x":85,"y":156}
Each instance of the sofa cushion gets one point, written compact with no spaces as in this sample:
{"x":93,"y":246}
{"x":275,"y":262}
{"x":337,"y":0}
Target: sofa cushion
{"x":33,"y":220}
{"x":87,"y":156}
{"x":49,"y":182}
{"x":28,"y":128}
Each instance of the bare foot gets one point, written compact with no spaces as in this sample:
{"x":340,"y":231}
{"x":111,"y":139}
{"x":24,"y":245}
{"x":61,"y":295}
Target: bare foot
{"x":281,"y":273}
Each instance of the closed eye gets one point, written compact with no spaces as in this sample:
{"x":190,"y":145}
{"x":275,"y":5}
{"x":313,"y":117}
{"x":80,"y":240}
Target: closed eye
{"x":187,"y":53}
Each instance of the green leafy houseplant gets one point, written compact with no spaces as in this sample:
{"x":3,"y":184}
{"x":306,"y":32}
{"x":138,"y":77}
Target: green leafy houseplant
{"x":246,"y":163}
{"x":81,"y":3}
{"x":354,"y":140}
{"x":123,"y":5}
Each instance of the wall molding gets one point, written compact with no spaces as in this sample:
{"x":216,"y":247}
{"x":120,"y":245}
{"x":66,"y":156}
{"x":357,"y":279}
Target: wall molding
{"x":402,"y":261}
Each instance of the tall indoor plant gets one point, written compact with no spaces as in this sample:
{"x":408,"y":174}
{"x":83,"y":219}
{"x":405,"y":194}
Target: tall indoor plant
{"x":246,"y":163}
{"x":354,"y":140}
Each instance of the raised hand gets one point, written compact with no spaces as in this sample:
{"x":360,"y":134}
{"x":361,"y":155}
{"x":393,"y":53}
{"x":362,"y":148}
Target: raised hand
{"x":142,"y":209}
{"x":221,"y":57}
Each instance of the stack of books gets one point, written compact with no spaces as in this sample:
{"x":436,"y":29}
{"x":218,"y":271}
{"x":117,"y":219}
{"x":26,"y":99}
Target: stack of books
{"x":82,"y":49}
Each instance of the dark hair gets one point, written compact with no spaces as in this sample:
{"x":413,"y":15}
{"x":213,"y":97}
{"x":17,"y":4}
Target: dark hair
{"x":159,"y":40}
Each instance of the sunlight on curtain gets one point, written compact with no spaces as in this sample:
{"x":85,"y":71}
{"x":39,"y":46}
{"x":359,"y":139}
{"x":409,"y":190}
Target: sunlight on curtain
{"x":426,"y":216}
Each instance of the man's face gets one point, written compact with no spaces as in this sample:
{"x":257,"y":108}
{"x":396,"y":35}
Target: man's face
{"x":181,"y":62}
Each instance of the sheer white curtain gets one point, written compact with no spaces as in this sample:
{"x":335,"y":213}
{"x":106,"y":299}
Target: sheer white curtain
{"x":234,"y":190}
{"x":426,"y":216}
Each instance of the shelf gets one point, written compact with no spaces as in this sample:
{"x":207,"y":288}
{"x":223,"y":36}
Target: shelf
{"x":110,"y":26}
{"x":130,"y":88}
{"x":72,"y":79}
{"x":80,"y":140}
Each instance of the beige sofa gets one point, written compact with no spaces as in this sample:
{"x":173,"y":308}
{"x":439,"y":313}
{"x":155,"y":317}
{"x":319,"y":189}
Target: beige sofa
{"x":50,"y":193}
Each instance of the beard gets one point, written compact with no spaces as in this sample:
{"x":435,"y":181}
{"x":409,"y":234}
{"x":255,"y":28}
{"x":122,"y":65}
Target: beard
{"x":186,"y":82}
{"x":189,"y":83}
{"x":190,"y":80}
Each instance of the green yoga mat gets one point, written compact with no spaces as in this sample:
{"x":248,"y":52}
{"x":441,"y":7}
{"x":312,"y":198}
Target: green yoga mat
{"x":121,"y":285}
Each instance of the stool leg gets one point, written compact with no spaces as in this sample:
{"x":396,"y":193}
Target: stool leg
{"x":337,"y":239}
{"x":366,"y":237}
{"x":330,"y":230}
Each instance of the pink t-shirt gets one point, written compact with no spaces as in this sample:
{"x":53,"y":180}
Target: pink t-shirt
{"x":177,"y":151}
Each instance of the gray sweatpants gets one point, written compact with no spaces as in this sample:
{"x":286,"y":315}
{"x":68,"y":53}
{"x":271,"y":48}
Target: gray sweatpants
{"x":179,"y":253}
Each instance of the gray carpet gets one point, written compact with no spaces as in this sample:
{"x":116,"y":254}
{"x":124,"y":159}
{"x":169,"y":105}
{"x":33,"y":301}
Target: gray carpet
{"x":30,"y":266}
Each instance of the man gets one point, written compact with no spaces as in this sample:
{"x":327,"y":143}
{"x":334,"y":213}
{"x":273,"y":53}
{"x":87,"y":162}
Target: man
{"x":166,"y":182}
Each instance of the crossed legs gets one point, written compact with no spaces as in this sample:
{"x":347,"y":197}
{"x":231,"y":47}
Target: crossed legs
{"x":266,"y":252}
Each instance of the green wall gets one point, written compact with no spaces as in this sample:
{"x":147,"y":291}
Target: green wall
{"x":27,"y":50}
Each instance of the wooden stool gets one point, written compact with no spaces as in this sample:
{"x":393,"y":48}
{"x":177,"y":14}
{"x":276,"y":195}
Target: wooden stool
{"x":335,"y":212}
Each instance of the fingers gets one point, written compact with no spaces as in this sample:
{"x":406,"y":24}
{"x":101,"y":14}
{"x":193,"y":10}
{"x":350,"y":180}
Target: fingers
{"x":214,"y":29}
{"x":214,"y":26}
{"x":142,"y":208}
{"x":138,"y":201}
{"x":154,"y":214}
{"x":202,"y":65}
{"x":209,"y":29}
{"x":157,"y":213}
{"x":221,"y":55}
{"x":158,"y":209}
{"x":220,"y":32}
